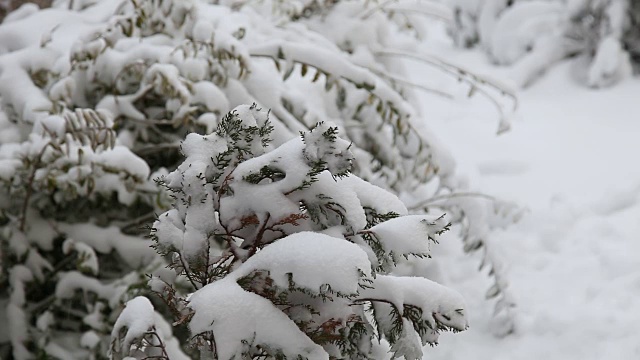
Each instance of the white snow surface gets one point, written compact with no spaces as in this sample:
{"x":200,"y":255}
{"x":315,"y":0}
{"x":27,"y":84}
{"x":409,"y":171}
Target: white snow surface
{"x":407,"y":234}
{"x":237,"y":314}
{"x":137,"y":317}
{"x":570,"y":160}
{"x":290,"y":255}
{"x":134,"y":251}
{"x":373,"y":196}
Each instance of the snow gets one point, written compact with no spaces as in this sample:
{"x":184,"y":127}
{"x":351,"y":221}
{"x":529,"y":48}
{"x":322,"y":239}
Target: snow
{"x":137,"y":318}
{"x":291,"y":255}
{"x":73,"y":280}
{"x":610,"y":64}
{"x":17,"y":277}
{"x":203,"y":31}
{"x":211,"y":97}
{"x":96,"y":319}
{"x":37,"y":264}
{"x":17,"y":321}
{"x":125,"y":160}
{"x":296,"y":160}
{"x":571,"y":261}
{"x":44,"y":321}
{"x":373,"y":196}
{"x":530,"y":21}
{"x":408,"y":234}
{"x":337,"y":156}
{"x":169,"y":230}
{"x":234,"y":314}
{"x":87,"y":259}
{"x":89,"y":339}
{"x":134,"y":251}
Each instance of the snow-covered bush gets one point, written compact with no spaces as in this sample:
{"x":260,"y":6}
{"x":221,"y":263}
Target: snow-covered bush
{"x":96,"y":97}
{"x":288,"y":254}
{"x":7,"y":6}
{"x":533,"y":35}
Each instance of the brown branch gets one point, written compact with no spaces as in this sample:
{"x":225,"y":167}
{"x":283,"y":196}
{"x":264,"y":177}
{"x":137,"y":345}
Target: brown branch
{"x":160,"y":345}
{"x":186,"y":272}
{"x":204,"y":281}
{"x":259,"y":236}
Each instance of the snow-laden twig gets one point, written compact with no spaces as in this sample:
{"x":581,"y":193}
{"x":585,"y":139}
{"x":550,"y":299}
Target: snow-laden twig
{"x":474,"y":81}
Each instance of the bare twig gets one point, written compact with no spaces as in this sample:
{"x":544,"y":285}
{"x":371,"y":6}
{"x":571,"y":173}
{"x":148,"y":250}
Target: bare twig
{"x":187,"y":273}
{"x":462,"y":74}
{"x":411,"y":83}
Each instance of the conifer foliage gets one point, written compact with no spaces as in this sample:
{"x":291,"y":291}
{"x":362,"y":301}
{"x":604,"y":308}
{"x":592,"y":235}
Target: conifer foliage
{"x":290,"y":256}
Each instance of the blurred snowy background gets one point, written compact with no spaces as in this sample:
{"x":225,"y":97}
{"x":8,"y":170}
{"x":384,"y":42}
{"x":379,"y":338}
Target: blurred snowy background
{"x":572,"y":260}
{"x":570,"y":159}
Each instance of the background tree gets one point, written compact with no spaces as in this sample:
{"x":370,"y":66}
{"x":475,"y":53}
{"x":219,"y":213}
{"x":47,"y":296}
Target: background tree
{"x":602,"y":36}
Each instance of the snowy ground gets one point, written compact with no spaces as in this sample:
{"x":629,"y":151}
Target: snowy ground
{"x":573,"y":260}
